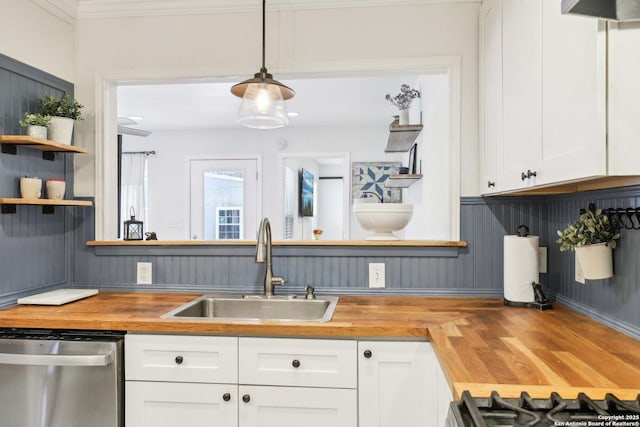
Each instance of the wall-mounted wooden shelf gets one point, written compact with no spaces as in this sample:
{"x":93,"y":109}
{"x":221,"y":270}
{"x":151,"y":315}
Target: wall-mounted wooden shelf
{"x":402,"y":180}
{"x":401,"y":138}
{"x":48,"y":205}
{"x":9,"y":143}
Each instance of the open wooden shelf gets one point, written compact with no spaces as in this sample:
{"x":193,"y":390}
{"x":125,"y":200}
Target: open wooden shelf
{"x":401,"y":138}
{"x":402,"y":180}
{"x":9,"y":142}
{"x":9,"y":203}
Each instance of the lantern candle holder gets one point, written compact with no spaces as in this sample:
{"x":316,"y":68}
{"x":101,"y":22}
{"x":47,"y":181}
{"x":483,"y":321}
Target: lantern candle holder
{"x":133,"y":229}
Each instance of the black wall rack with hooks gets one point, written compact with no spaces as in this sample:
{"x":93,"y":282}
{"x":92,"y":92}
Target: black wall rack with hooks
{"x":621,"y":218}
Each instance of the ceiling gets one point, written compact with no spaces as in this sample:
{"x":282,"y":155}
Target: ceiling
{"x":320,"y":102}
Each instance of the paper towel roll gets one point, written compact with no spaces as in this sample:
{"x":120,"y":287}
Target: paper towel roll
{"x":520,"y":267}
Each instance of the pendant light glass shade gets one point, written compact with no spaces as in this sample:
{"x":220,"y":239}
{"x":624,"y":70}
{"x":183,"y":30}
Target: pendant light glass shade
{"x":263,"y":97}
{"x":262,"y":107}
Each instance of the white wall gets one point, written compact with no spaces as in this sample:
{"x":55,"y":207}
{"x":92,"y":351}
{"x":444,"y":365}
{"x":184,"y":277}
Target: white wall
{"x":35,"y":36}
{"x":228,"y":45}
{"x":168,"y":198}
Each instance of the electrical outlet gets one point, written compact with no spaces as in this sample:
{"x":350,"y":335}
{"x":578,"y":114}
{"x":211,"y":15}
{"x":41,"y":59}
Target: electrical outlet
{"x":144,"y":273}
{"x":579,"y":273}
{"x":376,"y":275}
{"x":542,"y":259}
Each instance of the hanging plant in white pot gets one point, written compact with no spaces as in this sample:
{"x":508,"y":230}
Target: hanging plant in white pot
{"x":64,"y":112}
{"x":593,"y":237}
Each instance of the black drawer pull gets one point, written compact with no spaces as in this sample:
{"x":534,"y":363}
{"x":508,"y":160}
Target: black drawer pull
{"x":226,"y":397}
{"x":368,"y":354}
{"x":295,"y":363}
{"x":179,"y":360}
{"x":246,"y":398}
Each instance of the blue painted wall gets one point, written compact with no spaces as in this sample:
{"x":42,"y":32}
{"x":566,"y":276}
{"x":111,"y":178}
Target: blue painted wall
{"x":34,"y":248}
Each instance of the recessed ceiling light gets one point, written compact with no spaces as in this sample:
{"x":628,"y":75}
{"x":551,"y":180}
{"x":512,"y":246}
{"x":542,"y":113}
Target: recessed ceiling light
{"x":135,"y":118}
{"x":293,"y":114}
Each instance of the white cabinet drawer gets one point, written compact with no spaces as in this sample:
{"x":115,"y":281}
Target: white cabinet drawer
{"x":298,"y":362}
{"x":197,"y":359}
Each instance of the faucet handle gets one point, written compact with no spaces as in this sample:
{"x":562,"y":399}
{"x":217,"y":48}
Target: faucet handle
{"x":277,"y":280}
{"x":309,"y":290}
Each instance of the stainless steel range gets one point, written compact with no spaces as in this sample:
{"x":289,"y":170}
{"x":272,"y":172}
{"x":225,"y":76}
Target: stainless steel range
{"x":554,"y":411}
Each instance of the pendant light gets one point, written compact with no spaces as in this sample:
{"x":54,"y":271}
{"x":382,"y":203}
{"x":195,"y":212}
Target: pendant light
{"x":263,"y":97}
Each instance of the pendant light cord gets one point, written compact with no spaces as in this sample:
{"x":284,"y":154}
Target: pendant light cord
{"x":263,"y":70}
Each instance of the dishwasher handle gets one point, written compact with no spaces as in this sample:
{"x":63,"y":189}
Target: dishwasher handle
{"x":57,"y":359}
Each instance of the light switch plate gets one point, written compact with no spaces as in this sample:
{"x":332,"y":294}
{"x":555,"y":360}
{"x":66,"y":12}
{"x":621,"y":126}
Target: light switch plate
{"x":376,"y":275}
{"x":144,"y":273}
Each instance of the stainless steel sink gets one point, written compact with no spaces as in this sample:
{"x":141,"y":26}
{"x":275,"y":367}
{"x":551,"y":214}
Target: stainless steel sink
{"x":257,"y":308}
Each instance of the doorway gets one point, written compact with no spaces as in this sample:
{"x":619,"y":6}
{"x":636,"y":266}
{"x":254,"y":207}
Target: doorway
{"x":223,"y":201}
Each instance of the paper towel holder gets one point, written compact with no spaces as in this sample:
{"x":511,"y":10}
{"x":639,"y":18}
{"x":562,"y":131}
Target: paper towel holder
{"x":540,"y":300}
{"x":522,"y":230}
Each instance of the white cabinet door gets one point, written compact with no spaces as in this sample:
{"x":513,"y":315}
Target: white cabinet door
{"x":159,"y":404}
{"x":491,"y":95}
{"x":396,"y":384}
{"x":297,"y":407}
{"x":573,"y":96}
{"x":522,"y":89}
{"x":623,"y":95}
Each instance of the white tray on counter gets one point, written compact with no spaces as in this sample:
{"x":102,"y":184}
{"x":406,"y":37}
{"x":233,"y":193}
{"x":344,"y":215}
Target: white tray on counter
{"x":58,"y":297}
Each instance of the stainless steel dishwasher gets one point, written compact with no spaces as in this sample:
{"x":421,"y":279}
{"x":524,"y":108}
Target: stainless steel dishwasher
{"x":61,"y":378}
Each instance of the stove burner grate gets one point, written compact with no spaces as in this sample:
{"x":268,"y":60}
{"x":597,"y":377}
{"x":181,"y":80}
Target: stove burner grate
{"x":526,"y":411}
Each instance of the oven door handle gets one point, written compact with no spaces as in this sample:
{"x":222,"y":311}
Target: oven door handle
{"x":57,"y":359}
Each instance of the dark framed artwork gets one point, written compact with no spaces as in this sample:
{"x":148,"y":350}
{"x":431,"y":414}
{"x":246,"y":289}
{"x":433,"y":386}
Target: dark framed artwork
{"x":306,"y":193}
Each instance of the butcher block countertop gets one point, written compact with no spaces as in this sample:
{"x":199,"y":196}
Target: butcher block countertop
{"x":481,"y":344}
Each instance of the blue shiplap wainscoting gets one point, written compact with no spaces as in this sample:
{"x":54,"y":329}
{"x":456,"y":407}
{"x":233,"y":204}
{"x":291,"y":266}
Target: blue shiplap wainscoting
{"x":614,"y":301}
{"x":475,"y":270}
{"x":33,"y":247}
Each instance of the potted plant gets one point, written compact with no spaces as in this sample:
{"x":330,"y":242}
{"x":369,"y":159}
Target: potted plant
{"x":36,"y":124}
{"x":593,"y":237}
{"x":63,"y":112}
{"x":403,"y":102}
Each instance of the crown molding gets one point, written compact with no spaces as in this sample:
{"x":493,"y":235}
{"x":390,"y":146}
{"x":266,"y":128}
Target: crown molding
{"x":67,"y":10}
{"x":127,"y":8}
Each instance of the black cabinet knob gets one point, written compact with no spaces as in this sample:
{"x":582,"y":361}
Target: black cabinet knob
{"x":295,"y":363}
{"x":179,"y":360}
{"x":226,"y":397}
{"x":246,"y":398}
{"x":368,"y":354}
{"x":523,"y":176}
{"x":491,"y":184}
{"x":531,"y":173}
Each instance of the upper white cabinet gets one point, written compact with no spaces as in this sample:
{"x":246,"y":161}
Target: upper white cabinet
{"x":573,"y":96}
{"x":623,"y":98}
{"x":491,"y":95}
{"x":542,"y":95}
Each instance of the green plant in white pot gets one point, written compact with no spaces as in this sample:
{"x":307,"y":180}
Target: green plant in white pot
{"x":64,"y":112}
{"x":36,"y":124}
{"x":593,"y":237}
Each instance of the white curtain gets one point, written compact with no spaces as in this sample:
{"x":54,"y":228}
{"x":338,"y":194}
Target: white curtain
{"x":133,"y":191}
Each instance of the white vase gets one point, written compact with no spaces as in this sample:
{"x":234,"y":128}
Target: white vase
{"x":60,"y":129}
{"x":37,"y":131}
{"x":596,"y":261}
{"x":403,"y":120}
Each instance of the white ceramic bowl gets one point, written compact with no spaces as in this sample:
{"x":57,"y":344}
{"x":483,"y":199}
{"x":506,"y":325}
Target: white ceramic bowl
{"x":383,"y":218}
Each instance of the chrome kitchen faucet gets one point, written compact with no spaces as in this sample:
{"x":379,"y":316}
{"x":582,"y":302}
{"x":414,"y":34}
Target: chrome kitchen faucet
{"x":263,"y":255}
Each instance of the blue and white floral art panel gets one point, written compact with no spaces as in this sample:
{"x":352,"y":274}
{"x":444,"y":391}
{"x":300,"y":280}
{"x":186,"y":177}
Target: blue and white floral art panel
{"x":369,"y":177}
